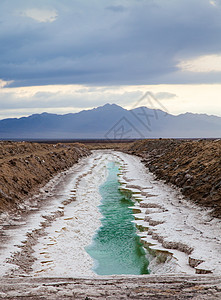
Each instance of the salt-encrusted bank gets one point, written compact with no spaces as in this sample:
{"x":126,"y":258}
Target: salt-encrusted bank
{"x":62,"y":252}
{"x":180,"y":237}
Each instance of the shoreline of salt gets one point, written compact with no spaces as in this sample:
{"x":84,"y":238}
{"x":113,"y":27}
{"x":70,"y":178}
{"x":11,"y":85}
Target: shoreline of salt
{"x":174,"y":224}
{"x":174,"y":221}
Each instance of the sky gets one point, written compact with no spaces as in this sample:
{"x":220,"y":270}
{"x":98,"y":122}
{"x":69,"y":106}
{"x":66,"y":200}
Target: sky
{"x":66,"y":56}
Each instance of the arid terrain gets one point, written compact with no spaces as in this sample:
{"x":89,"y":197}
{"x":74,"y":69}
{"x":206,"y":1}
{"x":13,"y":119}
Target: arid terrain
{"x":201,"y":287}
{"x":25,"y":167}
{"x":193,"y":166}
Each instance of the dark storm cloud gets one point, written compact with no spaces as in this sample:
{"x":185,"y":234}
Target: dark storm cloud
{"x":105,"y":42}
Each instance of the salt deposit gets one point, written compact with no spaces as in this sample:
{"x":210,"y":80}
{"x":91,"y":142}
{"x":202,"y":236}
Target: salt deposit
{"x":181,"y":237}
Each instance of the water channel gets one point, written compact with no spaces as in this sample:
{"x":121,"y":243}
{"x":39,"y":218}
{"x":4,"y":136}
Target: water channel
{"x":116,"y":248}
{"x":84,"y":226}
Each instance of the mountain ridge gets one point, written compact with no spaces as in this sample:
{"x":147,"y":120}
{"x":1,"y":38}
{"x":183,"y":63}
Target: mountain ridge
{"x":112,"y":121}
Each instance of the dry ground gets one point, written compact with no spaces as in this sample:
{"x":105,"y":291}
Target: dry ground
{"x":193,"y":166}
{"x":27,"y":166}
{"x":153,"y":287}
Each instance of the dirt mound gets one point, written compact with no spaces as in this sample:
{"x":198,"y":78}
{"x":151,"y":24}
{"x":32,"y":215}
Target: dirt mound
{"x":27,"y":166}
{"x":193,"y":166}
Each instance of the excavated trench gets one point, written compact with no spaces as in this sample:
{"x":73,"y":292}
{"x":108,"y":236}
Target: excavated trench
{"x":107,"y":215}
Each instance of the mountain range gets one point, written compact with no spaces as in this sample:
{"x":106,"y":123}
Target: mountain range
{"x":111,"y":122}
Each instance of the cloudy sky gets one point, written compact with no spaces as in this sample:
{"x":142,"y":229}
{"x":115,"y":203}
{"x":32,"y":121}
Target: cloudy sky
{"x":65,"y":56}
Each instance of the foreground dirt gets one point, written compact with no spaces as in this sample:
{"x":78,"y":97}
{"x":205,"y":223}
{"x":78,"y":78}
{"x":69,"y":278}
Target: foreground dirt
{"x":193,"y":166}
{"x":25,"y":167}
{"x":119,"y":287}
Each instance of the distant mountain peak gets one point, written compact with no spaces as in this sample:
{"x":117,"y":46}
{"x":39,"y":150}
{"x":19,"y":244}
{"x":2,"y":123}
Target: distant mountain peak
{"x":112,"y":105}
{"x":45,"y":113}
{"x":109,"y":107}
{"x":111,"y":120}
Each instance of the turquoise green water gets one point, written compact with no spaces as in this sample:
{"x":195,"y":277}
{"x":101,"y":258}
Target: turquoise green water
{"x":116,"y":248}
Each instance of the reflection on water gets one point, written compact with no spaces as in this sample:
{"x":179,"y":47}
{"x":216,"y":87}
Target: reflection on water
{"x":116,"y":248}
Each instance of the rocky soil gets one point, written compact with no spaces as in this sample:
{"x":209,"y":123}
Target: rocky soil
{"x":25,"y":167}
{"x":119,"y":287}
{"x":192,"y":166}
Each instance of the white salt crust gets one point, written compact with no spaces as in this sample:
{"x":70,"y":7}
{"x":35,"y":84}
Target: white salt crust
{"x":174,"y":228}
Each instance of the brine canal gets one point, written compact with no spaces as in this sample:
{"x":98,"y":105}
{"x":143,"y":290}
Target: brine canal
{"x":116,"y":248}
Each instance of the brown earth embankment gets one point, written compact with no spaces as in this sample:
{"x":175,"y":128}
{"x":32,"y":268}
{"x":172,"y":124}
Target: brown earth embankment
{"x":194,"y":166}
{"x":25,"y":167}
